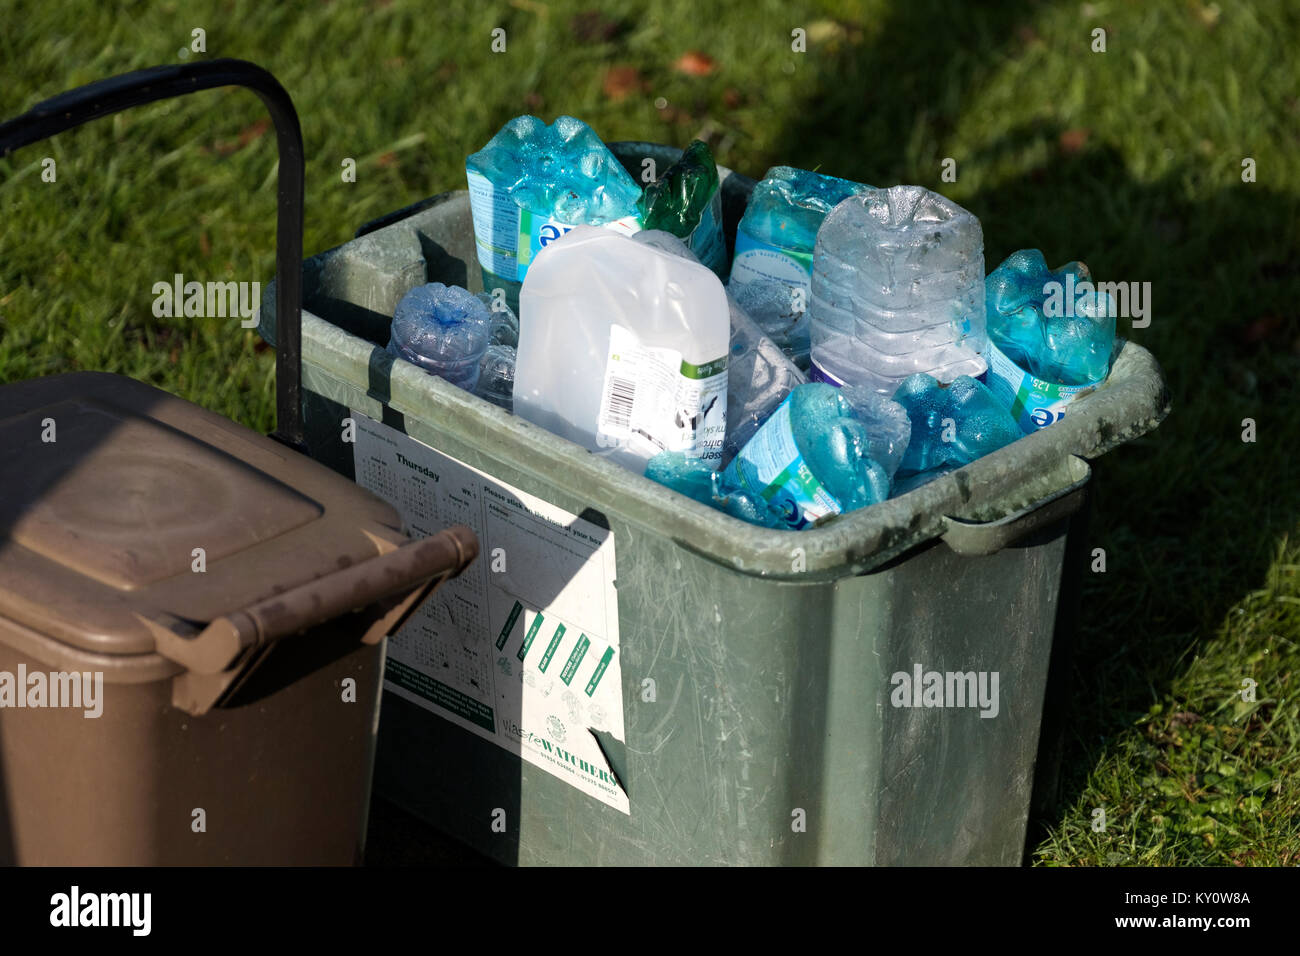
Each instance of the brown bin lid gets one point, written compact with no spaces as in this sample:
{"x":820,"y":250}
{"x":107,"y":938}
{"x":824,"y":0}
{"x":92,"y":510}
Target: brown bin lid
{"x":101,"y":524}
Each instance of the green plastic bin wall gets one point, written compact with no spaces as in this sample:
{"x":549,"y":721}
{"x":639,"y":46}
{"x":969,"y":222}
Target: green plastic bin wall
{"x":772,"y":736}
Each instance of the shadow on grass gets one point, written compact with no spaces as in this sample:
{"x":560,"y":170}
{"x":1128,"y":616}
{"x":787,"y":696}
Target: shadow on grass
{"x":1189,"y":516}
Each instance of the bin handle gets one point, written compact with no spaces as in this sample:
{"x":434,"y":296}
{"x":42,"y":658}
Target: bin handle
{"x":239,"y":637}
{"x":973,"y":539}
{"x":117,"y":93}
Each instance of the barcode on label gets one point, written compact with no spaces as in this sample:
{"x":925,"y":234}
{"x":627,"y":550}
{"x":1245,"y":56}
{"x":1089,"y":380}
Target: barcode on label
{"x":618,"y":403}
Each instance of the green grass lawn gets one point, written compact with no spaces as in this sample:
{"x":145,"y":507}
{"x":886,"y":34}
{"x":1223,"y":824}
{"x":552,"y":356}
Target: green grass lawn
{"x":1129,"y":159}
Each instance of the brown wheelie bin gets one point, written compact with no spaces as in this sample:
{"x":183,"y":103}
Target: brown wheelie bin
{"x":192,"y":615}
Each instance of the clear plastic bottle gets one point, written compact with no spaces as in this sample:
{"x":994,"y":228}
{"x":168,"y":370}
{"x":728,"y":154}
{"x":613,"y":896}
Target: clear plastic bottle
{"x":898,"y":289}
{"x":759,"y":375}
{"x":496,"y":380}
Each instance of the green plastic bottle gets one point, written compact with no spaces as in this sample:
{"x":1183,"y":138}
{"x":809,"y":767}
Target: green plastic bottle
{"x":686,"y":202}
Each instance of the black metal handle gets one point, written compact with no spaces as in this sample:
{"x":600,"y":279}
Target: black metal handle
{"x":117,"y":93}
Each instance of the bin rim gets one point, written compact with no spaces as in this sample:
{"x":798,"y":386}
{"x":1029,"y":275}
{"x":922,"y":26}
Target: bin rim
{"x":1030,"y":472}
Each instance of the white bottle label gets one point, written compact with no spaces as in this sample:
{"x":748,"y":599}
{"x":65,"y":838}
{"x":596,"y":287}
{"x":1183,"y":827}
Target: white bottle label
{"x":496,"y":225}
{"x":756,"y":259}
{"x":652,"y":400}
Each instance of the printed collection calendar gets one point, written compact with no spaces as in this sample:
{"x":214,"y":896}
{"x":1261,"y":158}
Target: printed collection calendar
{"x":522,"y":648}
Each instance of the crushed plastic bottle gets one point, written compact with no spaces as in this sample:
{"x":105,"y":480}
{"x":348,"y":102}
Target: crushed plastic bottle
{"x":443,"y":329}
{"x":686,"y":202}
{"x":695,"y":479}
{"x":905,"y":482}
{"x":1054,"y":324}
{"x":496,"y":379}
{"x":531,"y":183}
{"x":623,"y":349}
{"x":952,"y":425}
{"x":824,"y":451}
{"x":505,"y":324}
{"x":775,"y":310}
{"x":776,"y":236}
{"x":898,"y":289}
{"x":759,"y":376}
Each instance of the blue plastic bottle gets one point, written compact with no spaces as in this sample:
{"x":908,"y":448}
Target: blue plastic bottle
{"x":532,"y":183}
{"x":1051,"y":333}
{"x":824,"y":451}
{"x":1053,"y":323}
{"x":776,"y":236}
{"x":952,"y":425}
{"x":443,"y":329}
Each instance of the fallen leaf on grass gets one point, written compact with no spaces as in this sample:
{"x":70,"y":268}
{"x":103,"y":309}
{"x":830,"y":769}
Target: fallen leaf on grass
{"x":621,"y":81}
{"x":1027,"y":35}
{"x":253,"y":131}
{"x":246,"y":135}
{"x":694,"y":63}
{"x":1072,"y":141}
{"x":1208,"y":14}
{"x":821,"y":31}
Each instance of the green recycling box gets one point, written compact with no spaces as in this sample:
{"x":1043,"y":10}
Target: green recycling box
{"x":630,"y":677}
